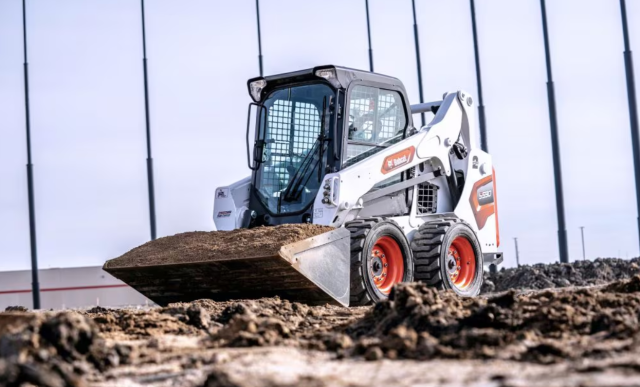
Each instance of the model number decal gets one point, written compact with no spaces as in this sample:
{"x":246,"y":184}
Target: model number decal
{"x":398,"y":159}
{"x":224,"y":214}
{"x":484,"y":195}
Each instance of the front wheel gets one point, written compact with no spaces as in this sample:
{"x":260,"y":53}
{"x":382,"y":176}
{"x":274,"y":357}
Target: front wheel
{"x":448,"y":256}
{"x":380,"y":258}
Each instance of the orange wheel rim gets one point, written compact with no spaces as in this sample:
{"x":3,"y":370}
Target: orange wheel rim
{"x":461,"y":263}
{"x":386,"y":264}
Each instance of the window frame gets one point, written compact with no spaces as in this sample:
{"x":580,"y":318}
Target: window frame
{"x":347,"y":110}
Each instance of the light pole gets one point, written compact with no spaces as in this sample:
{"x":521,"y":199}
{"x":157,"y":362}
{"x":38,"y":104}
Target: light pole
{"x":555,"y":143}
{"x":35,"y":284}
{"x":584,"y":255}
{"x":417,"y":43}
{"x":484,"y":143}
{"x":152,"y":200}
{"x":633,"y":107}
{"x":259,"y":37}
{"x":366,"y":4}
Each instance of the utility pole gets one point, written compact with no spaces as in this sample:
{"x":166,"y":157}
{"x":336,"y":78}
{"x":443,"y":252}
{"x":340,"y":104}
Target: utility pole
{"x":35,"y":283}
{"x":555,"y":143}
{"x":517,"y":252}
{"x":484,"y":143}
{"x":417,"y":42}
{"x":260,"y":38}
{"x":152,"y":199}
{"x":633,"y":107}
{"x":366,"y":4}
{"x":584,"y":255}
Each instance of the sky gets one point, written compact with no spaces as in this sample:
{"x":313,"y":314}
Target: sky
{"x":88,"y":128}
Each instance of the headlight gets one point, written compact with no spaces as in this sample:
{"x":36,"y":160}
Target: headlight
{"x":328,"y":74}
{"x":255,"y":88}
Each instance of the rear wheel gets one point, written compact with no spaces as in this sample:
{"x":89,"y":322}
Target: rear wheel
{"x":380,"y":258}
{"x":448,"y":256}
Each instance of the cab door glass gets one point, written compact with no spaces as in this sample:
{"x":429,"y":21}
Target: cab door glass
{"x":377,"y":119}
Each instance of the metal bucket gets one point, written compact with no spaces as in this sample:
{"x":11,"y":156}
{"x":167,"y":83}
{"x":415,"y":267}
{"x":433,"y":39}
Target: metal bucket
{"x":314,"y":271}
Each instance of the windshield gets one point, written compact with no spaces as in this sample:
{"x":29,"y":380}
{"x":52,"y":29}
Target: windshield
{"x":288,"y":178}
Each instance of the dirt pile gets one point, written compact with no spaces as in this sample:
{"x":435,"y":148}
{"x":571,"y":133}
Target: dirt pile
{"x":136,"y":324}
{"x":200,"y":246}
{"x":544,"y":327}
{"x":244,"y":323}
{"x":53,"y":350}
{"x":560,"y":275}
{"x":272,"y":321}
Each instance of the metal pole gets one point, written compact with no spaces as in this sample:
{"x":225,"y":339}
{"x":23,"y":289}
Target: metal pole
{"x":633,"y":107}
{"x":584,"y":255}
{"x":259,"y":37}
{"x":555,"y":143}
{"x":366,"y":3}
{"x":517,"y":252}
{"x":484,"y":144}
{"x":152,"y":200}
{"x":417,"y":42}
{"x":35,"y":283}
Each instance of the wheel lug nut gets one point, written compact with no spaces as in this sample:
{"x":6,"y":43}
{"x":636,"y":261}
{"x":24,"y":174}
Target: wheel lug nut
{"x":386,"y":264}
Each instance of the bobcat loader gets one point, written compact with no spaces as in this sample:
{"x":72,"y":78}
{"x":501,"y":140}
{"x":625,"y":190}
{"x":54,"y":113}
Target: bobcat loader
{"x":338,"y":147}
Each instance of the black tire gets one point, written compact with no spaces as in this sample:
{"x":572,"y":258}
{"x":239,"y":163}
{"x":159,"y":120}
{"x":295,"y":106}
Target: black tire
{"x":430,"y":247}
{"x":364,"y":234}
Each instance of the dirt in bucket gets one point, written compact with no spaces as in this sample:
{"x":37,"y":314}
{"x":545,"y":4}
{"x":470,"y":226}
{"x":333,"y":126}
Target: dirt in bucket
{"x":202,"y":246}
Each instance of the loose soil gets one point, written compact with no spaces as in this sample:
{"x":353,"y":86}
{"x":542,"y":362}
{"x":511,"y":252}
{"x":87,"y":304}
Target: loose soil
{"x":563,"y":336}
{"x":560,"y":275}
{"x":200,"y":246}
{"x":571,"y":336}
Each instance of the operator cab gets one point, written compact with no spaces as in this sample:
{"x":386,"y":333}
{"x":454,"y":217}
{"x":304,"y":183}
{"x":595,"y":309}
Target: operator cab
{"x":305,"y":129}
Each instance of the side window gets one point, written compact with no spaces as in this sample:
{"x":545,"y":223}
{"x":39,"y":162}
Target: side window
{"x":376,"y":120}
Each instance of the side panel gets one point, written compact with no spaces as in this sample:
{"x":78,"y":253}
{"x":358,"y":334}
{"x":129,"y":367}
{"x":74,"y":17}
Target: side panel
{"x":230,"y":203}
{"x":478,"y":205}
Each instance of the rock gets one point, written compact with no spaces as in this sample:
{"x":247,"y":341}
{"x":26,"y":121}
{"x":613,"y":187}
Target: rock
{"x":373,"y":354}
{"x":198,"y":316}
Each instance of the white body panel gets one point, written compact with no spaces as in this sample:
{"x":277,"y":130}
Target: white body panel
{"x":230,"y":203}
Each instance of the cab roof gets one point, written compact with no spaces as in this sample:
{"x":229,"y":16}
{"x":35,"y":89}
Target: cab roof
{"x":345,"y":76}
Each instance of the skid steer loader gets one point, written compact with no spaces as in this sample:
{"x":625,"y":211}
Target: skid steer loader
{"x":338,"y":147}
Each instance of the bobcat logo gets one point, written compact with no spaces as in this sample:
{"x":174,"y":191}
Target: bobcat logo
{"x":398,"y":160}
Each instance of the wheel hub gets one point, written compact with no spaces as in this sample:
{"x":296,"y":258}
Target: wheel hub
{"x":386,"y":264}
{"x":461,"y":263}
{"x":452,"y":265}
{"x":376,"y":264}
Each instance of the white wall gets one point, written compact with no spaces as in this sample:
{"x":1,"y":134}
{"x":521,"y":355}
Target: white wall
{"x":67,"y":288}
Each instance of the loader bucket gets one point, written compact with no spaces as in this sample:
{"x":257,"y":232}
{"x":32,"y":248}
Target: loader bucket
{"x":314,"y":271}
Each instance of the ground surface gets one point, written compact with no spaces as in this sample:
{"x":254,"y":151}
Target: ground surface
{"x":549,"y":332}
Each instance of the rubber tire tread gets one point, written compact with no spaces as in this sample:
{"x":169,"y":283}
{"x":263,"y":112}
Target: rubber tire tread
{"x":427,"y":251}
{"x":360,"y":229}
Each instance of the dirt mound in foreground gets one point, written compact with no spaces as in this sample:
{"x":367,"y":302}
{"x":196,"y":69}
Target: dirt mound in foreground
{"x":52,"y":350}
{"x":585,"y":328}
{"x":201,"y":246}
{"x":542,"y":327}
{"x":560,"y":275}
